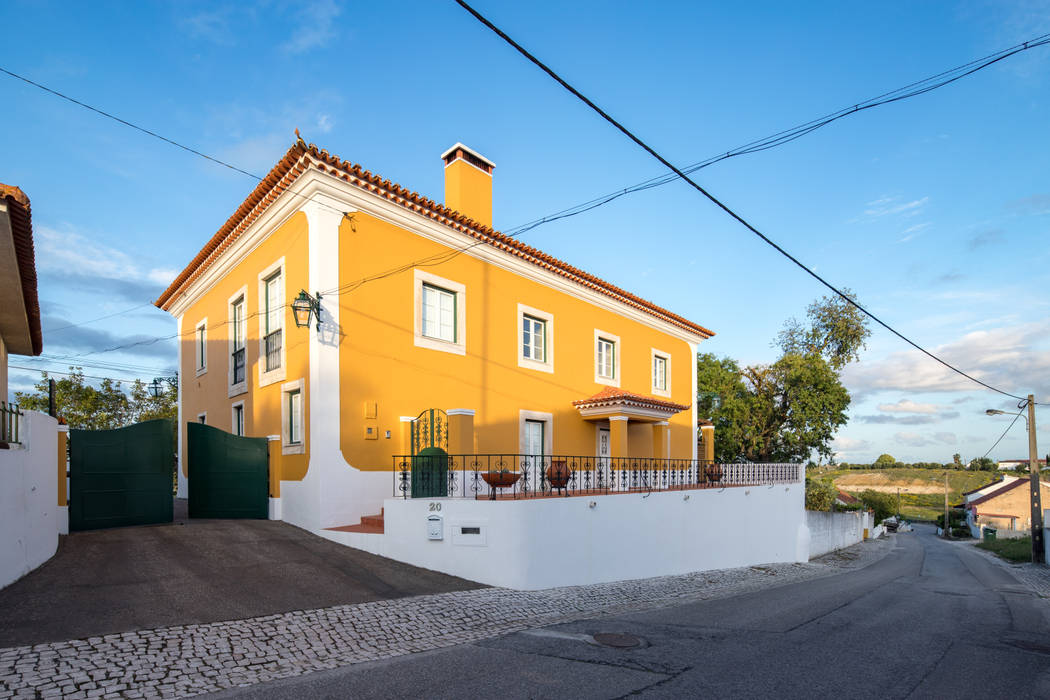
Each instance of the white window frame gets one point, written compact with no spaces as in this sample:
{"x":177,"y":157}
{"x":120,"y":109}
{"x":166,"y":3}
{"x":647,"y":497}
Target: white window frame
{"x":279,"y":374}
{"x":233,"y":418}
{"x":231,"y":342}
{"x":548,"y":430}
{"x":617,"y":355}
{"x":548,"y":360}
{"x":287,"y":447}
{"x":666,"y":357}
{"x":200,"y":346}
{"x":459,"y":347}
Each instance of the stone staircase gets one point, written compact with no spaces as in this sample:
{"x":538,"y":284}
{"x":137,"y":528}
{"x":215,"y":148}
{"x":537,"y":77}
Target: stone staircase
{"x":370,"y":524}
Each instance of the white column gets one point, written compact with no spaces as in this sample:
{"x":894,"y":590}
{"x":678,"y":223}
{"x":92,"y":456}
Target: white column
{"x":183,"y":485}
{"x":692,"y":410}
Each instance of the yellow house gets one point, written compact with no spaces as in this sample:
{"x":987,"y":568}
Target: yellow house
{"x":422,"y":306}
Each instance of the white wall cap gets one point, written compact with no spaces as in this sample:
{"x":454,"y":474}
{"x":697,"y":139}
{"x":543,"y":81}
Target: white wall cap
{"x":407,"y":419}
{"x":460,"y":412}
{"x":273,"y":437}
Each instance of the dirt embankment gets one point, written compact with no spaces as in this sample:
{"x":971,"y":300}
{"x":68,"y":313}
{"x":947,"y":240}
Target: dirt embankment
{"x":884,"y":483}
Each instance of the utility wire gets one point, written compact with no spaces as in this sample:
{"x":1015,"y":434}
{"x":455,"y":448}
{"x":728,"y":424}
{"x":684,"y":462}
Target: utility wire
{"x":666,"y":163}
{"x":71,"y":374}
{"x":100,"y":318}
{"x":785,"y":136}
{"x":1004,"y":433}
{"x":155,"y":135}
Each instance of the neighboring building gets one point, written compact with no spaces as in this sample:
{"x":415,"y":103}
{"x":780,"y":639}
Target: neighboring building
{"x":19,"y":308}
{"x":844,"y":499}
{"x":531,"y":355}
{"x":1013,"y":464}
{"x":32,"y":449}
{"x":1003,"y":505}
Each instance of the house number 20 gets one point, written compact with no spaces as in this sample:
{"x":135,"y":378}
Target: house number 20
{"x":435,"y":507}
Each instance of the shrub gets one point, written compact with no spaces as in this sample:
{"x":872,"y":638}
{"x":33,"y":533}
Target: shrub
{"x":883,"y":504}
{"x":820,"y":494}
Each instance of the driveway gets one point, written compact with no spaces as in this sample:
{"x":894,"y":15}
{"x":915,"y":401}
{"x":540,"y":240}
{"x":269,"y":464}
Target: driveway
{"x":194,"y":571}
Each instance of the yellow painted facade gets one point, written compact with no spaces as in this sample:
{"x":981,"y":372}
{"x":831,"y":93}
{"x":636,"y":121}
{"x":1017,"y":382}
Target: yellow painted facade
{"x":380,"y":363}
{"x":387,"y":370}
{"x":1010,"y":509}
{"x":208,"y":393}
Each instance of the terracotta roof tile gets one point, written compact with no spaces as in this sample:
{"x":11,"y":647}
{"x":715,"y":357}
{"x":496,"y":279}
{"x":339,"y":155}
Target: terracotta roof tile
{"x":302,"y":156}
{"x":611,"y":396}
{"x":21,"y":215}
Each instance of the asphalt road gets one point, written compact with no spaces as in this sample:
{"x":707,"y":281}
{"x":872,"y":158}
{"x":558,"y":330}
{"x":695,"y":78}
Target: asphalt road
{"x":930,"y":620}
{"x":191,"y":571}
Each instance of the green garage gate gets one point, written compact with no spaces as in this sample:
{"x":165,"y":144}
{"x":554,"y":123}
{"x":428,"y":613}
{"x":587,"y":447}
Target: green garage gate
{"x":122,"y":476}
{"x":229,"y":475}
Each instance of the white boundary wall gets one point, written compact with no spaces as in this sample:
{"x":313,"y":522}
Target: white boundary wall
{"x":29,"y":511}
{"x":540,"y":543}
{"x":830,"y":531}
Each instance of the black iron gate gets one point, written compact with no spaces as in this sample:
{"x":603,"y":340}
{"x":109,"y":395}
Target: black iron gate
{"x":229,"y":475}
{"x":122,"y":476}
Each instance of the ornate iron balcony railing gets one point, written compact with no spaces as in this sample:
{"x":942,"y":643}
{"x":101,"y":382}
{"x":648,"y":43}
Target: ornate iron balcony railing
{"x":516,"y":476}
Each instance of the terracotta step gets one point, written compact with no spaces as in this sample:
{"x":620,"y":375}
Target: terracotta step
{"x":371,"y":524}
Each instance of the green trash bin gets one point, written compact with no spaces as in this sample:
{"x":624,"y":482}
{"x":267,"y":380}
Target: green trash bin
{"x":989,"y":534}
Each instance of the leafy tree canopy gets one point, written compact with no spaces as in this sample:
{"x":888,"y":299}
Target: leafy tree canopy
{"x":103,"y":407}
{"x":984,"y":464}
{"x":885,"y":460}
{"x":836,"y":331}
{"x":787,"y":410}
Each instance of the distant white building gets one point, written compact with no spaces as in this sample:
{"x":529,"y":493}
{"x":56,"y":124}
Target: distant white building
{"x":1009,"y":465}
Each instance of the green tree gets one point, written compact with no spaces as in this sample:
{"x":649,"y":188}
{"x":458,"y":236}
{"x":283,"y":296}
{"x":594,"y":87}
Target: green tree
{"x":984,"y":464}
{"x":103,"y":407}
{"x":836,"y":332}
{"x":884,"y":504}
{"x":957,"y":460}
{"x":770,"y":413}
{"x":885,"y":461}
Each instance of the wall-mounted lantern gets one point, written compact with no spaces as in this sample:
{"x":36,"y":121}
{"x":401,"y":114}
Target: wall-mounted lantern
{"x":305,"y":306}
{"x":156,"y":389}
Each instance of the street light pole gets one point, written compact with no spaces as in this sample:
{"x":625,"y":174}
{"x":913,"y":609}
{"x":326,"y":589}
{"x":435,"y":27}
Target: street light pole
{"x":1038,"y":552}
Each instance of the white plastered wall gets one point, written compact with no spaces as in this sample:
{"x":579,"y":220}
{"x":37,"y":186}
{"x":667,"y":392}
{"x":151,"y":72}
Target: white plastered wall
{"x":540,"y":543}
{"x":29,"y":511}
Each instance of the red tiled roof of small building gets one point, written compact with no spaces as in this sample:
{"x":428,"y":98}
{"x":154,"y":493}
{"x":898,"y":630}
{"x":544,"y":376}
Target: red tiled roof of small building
{"x":302,"y":156}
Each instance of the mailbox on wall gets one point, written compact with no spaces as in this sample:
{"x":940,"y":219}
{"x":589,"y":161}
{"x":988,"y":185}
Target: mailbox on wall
{"x":435,"y":527}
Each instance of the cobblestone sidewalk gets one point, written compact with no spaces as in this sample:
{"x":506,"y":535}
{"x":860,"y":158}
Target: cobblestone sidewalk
{"x":189,"y":660}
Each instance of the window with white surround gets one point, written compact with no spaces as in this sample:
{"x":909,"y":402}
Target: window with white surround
{"x":200,"y":337}
{"x":439,"y":313}
{"x":238,"y":337}
{"x":661,"y":372}
{"x":606,"y":358}
{"x":272,"y":309}
{"x":535,"y":339}
{"x":292,"y":418}
{"x":534,"y":435}
{"x":237,"y":418}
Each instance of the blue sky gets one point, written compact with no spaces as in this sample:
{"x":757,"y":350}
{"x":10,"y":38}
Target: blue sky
{"x":935,"y":210}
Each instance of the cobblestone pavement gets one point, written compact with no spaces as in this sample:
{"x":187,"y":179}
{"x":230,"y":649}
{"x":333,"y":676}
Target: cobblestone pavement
{"x":189,"y":660}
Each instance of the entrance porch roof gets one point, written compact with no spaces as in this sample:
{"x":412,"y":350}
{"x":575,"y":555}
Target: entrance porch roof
{"x":616,"y":402}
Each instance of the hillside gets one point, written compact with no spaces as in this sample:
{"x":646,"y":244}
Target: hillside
{"x":922,"y":490}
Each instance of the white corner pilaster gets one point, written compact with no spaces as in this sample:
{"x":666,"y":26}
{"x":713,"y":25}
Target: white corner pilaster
{"x":182,"y":489}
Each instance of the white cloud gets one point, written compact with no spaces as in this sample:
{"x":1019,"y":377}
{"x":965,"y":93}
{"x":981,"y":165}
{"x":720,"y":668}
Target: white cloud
{"x":888,"y":206}
{"x":917,"y":440}
{"x":912,"y":231}
{"x":324,"y":123}
{"x":909,"y":406}
{"x":846,"y":444}
{"x":1011,"y":358}
{"x":316,"y":26}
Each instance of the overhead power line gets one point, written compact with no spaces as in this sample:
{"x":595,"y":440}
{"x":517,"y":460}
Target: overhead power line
{"x":85,"y":376}
{"x":666,"y":163}
{"x":914,"y":89}
{"x":100,"y":318}
{"x":1005,"y":431}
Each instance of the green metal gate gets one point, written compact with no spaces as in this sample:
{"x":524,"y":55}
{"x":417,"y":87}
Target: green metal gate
{"x":229,"y":475}
{"x":121,"y":477}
